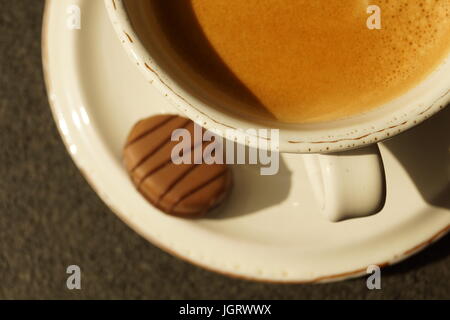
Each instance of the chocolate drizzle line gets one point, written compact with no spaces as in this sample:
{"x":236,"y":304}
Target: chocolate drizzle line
{"x":204,"y":185}
{"x":220,"y":193}
{"x":177,"y":181}
{"x":184,"y":174}
{"x":162,"y":144}
{"x":163,"y":165}
{"x":150,"y":130}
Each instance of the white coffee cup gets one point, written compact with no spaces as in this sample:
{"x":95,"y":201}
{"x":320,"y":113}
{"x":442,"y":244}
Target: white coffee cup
{"x":342,"y":157}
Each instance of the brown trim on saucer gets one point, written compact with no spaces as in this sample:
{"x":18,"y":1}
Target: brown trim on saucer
{"x":427,"y":242}
{"x":85,"y":174}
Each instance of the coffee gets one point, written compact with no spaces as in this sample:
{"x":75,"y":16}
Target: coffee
{"x":308,"y":60}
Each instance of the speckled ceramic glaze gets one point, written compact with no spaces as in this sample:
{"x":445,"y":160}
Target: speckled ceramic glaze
{"x":386,"y":121}
{"x":267,"y":234}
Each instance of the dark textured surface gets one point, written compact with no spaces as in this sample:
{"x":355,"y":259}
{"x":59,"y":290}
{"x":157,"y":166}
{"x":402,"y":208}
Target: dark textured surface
{"x":50,"y":217}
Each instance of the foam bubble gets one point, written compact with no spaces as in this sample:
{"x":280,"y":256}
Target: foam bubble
{"x":312,"y":60}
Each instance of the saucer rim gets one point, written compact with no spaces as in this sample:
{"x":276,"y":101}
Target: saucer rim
{"x":329,"y":278}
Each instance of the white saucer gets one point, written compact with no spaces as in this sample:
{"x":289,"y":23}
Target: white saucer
{"x":270,"y":229}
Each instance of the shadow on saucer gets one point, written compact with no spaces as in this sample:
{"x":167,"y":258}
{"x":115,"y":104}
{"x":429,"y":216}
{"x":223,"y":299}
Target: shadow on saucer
{"x":436,"y":252}
{"x":253,"y":192}
{"x":424,"y":152}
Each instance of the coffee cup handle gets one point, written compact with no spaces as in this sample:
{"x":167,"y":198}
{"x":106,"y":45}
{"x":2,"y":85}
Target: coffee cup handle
{"x":348,"y":184}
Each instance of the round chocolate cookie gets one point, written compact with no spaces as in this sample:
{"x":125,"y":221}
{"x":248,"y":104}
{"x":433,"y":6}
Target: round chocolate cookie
{"x":186,"y":189}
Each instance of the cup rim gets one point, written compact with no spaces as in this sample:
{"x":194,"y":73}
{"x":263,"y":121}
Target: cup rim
{"x":290,"y":141}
